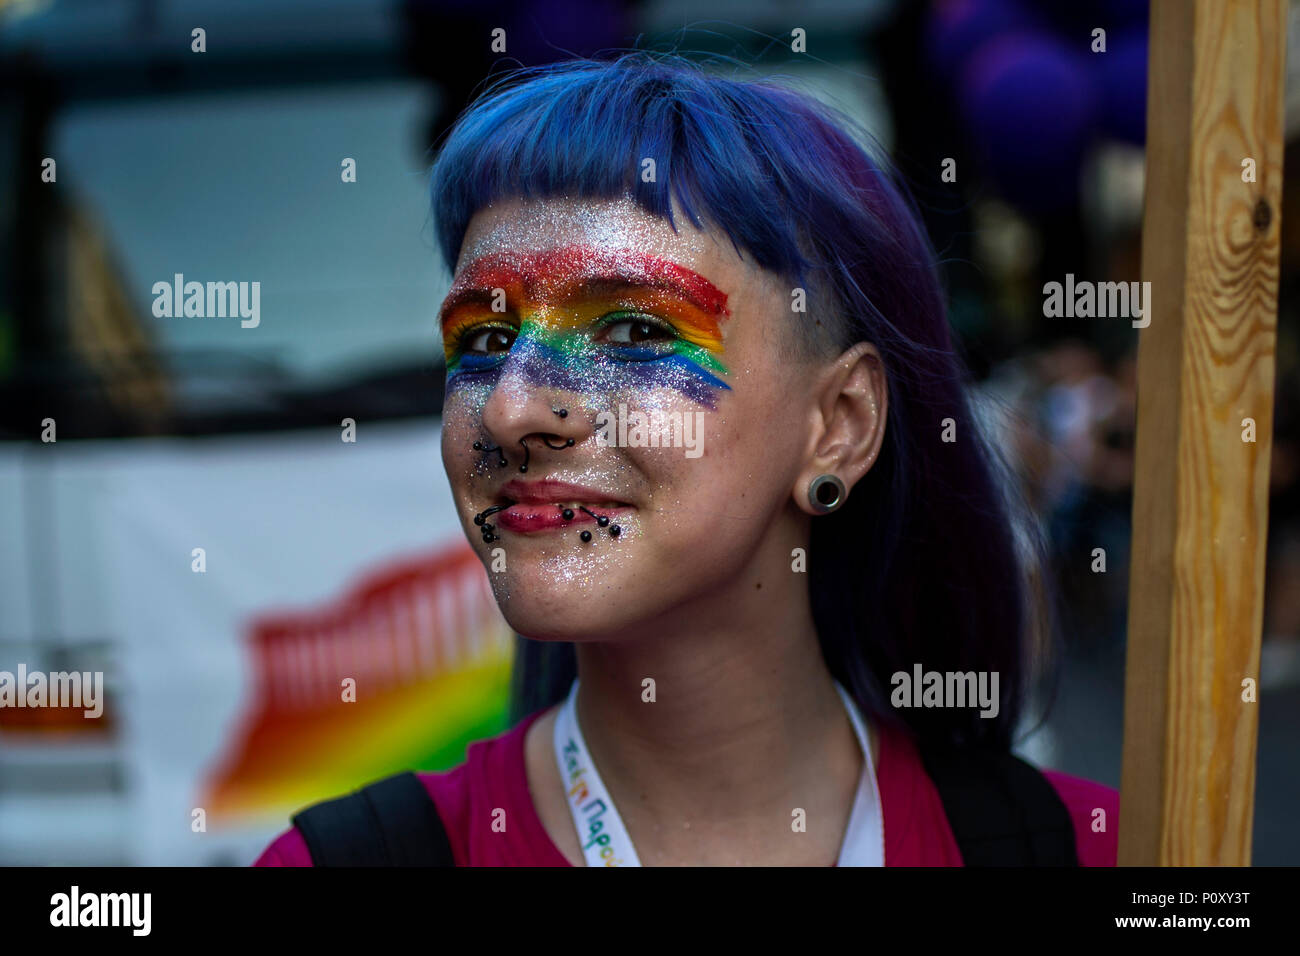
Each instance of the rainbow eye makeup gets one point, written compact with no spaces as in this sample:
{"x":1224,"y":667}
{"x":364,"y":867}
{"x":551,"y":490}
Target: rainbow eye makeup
{"x":633,"y":328}
{"x":586,"y":320}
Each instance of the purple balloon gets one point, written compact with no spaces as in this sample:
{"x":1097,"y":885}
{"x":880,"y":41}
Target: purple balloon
{"x":1120,"y":75}
{"x":957,"y":28}
{"x":1031,"y":108}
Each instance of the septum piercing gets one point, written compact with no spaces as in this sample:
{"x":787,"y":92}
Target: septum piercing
{"x":489,"y":529}
{"x":546,"y":439}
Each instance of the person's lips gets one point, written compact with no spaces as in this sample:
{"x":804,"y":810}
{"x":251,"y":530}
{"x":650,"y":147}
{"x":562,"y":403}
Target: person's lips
{"x":541,"y":505}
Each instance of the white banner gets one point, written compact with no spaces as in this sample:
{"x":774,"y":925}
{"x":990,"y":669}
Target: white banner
{"x":235,"y":583}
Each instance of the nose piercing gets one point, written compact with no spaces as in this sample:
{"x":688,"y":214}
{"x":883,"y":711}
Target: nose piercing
{"x":546,"y":440}
{"x":479,"y":446}
{"x":563,"y":413}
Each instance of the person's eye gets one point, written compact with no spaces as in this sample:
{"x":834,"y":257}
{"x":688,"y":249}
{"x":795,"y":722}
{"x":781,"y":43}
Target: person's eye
{"x":636,"y":330}
{"x":488,"y":341}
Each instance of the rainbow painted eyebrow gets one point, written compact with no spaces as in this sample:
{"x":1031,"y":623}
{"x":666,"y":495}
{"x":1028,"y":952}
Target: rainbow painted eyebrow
{"x":579,"y":271}
{"x":552,"y":348}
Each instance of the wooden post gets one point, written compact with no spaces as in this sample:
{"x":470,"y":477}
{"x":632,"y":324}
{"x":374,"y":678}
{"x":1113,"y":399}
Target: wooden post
{"x":1210,"y":248}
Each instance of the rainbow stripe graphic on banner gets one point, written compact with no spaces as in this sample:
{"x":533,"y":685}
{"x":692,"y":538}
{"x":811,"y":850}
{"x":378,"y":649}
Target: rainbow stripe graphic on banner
{"x":430,"y":654}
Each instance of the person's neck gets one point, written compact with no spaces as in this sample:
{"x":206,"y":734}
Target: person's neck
{"x":745,"y":727}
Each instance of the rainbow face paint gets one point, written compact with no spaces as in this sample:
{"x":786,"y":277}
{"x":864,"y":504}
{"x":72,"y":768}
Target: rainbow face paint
{"x":585,"y":320}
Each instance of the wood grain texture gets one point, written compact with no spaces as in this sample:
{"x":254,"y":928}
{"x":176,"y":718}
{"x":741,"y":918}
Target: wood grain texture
{"x":1210,"y":248}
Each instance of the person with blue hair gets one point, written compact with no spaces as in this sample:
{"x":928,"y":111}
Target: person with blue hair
{"x":706,"y":427}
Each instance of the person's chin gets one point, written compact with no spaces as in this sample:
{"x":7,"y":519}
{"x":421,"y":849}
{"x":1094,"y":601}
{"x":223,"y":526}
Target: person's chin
{"x":539,"y":605}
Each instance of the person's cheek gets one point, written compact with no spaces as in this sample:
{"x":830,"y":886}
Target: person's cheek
{"x":679,"y":461}
{"x":462,"y":424}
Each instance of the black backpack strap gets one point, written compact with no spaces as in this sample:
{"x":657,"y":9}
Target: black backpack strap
{"x":393,"y":822}
{"x":1002,"y":811}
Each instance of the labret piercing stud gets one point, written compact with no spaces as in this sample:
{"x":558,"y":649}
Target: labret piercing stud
{"x":488,"y":529}
{"x":601,"y":521}
{"x":480,"y":519}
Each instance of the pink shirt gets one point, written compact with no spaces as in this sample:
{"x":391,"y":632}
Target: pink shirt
{"x":916,"y":828}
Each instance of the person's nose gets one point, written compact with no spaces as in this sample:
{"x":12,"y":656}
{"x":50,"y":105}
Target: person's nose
{"x":533,"y":423}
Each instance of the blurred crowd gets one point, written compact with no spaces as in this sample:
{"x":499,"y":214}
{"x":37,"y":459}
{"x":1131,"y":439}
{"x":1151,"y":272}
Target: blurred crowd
{"x":1045,"y":120}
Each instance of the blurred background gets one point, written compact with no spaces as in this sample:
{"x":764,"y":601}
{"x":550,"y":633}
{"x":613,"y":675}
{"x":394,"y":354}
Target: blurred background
{"x":201,"y":531}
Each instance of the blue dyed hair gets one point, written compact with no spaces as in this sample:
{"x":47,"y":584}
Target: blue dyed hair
{"x":921,"y":564}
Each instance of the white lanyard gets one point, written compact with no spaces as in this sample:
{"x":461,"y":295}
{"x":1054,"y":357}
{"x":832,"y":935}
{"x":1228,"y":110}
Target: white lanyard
{"x":605,"y":841}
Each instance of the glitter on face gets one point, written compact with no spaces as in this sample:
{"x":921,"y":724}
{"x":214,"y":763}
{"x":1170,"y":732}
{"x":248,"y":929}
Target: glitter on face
{"x":603,"y":304}
{"x":564,"y":308}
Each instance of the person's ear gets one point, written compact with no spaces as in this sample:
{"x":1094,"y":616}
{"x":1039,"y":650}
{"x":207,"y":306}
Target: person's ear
{"x":851,"y":401}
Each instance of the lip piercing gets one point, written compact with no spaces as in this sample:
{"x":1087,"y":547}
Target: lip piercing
{"x":480,"y":519}
{"x":479,"y":446}
{"x":601,"y":520}
{"x":483,"y":515}
{"x":524,"y":466}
